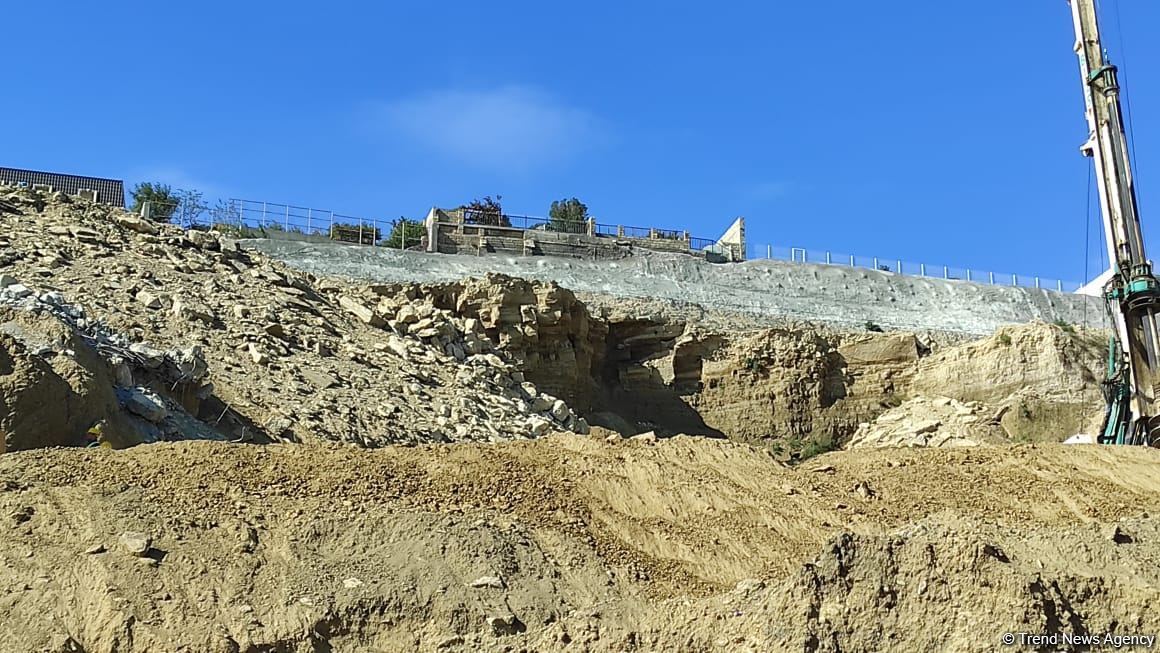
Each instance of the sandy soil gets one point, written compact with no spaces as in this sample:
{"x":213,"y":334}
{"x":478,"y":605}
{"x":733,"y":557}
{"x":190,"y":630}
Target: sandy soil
{"x":579,"y":544}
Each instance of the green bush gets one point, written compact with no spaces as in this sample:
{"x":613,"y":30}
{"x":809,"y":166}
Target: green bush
{"x":487,"y":212}
{"x":817,"y":446}
{"x":406,"y":233}
{"x":568,"y":216}
{"x":162,"y":199}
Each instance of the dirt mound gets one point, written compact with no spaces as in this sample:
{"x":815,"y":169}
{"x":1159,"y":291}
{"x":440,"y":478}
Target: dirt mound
{"x":943,"y":583}
{"x":48,"y":398}
{"x":930,"y":422}
{"x":564,"y":539}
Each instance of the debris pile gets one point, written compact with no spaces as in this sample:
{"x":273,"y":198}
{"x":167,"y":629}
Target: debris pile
{"x":74,"y":381}
{"x":292,"y":357}
{"x":931,"y":422}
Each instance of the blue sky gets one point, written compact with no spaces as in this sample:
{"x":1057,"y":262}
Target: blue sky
{"x":929,"y":131}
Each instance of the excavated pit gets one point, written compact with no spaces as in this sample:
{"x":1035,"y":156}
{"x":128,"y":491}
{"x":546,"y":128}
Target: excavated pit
{"x":444,"y":466}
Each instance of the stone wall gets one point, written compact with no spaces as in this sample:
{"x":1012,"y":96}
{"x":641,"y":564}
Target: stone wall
{"x":449,"y":234}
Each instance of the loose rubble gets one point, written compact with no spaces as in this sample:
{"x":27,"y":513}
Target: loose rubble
{"x":931,"y":422}
{"x":259,"y":352}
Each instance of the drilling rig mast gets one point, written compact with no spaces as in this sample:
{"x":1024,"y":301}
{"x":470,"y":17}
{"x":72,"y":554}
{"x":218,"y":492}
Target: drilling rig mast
{"x":1133,"y":294}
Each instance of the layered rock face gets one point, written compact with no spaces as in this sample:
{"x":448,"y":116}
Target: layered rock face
{"x":788,"y":387}
{"x":1043,"y":380}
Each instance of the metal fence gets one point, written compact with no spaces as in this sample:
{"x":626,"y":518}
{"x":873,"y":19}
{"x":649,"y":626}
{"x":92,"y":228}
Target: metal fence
{"x":908,"y":268}
{"x":253,"y":219}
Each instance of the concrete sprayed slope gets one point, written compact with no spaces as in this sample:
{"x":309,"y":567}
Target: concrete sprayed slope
{"x":828,"y":293}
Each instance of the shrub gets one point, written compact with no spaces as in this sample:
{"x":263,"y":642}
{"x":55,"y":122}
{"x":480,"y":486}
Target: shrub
{"x":406,"y":233}
{"x":817,"y":446}
{"x":568,"y":216}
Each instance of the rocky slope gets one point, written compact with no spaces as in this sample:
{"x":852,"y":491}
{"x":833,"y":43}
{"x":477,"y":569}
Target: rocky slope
{"x":284,"y":356}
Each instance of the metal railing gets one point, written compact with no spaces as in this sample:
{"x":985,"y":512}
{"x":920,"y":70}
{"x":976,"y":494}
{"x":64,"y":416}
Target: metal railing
{"x":526,"y":222}
{"x":908,"y":268}
{"x":488,"y":220}
{"x":253,"y":219}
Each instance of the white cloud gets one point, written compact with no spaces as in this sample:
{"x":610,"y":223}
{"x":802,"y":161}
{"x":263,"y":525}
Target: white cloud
{"x":511,"y":127}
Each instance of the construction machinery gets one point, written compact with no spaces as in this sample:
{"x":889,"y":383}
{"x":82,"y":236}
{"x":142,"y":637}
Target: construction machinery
{"x":1132,"y":294}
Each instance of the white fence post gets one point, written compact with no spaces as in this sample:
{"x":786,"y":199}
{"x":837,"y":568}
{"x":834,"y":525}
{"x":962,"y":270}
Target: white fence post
{"x":1014,"y":280}
{"x":899,"y":264}
{"x":1059,"y":285}
{"x":309,"y":216}
{"x":828,"y":261}
{"x":769,"y":251}
{"x":922,"y":269}
{"x":851,"y":260}
{"x":286,"y":220}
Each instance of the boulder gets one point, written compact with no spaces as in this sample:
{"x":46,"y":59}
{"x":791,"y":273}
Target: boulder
{"x":134,"y":223}
{"x":361,"y":311}
{"x":136,"y":544}
{"x":143,"y":403}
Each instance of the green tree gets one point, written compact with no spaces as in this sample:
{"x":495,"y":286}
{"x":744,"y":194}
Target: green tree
{"x":486,"y":211}
{"x":569,"y":216}
{"x":406,"y":233}
{"x":163,"y":200}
